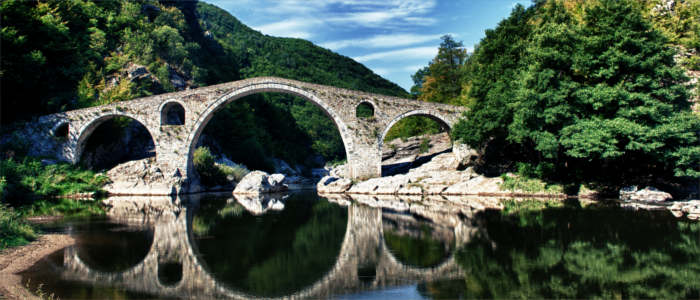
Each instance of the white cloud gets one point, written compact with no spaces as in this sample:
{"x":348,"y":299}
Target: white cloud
{"x":382,"y":41}
{"x":401,"y":54}
{"x":343,"y":13}
{"x":296,"y":28}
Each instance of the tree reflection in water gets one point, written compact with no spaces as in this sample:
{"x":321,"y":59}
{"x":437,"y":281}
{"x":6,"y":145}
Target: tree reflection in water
{"x":274,"y":254}
{"x":578,"y":253}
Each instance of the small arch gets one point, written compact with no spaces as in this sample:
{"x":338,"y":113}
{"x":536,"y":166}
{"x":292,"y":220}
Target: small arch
{"x":172,"y":113}
{"x":425,"y":113}
{"x":364,"y":110}
{"x":61,"y":130}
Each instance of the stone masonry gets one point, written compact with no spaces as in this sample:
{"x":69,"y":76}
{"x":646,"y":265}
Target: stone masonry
{"x":175,"y":144}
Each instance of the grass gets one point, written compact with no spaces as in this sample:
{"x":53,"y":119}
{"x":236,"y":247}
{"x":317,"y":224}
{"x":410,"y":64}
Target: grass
{"x":31,"y":189}
{"x":519,"y":183}
{"x":26,"y":177}
{"x":14,"y":230}
{"x":237,"y":171}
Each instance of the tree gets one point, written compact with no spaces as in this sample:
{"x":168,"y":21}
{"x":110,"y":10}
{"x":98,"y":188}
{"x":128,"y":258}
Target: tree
{"x":418,"y":79}
{"x":443,"y":82}
{"x":589,"y":99}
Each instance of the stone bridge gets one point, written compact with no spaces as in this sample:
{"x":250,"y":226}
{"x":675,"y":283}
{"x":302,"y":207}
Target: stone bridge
{"x":64,"y":135}
{"x":363,"y":245}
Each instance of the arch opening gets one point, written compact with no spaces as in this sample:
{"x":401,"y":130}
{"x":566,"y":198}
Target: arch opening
{"x":172,"y":113}
{"x":61,"y":131}
{"x":169,"y":273}
{"x":282,"y":130}
{"x":411,"y":140}
{"x":364,"y":110}
{"x":112,"y":140}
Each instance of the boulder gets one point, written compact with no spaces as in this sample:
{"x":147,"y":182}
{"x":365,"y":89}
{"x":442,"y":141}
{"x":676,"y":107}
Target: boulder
{"x":691,"y":209}
{"x":648,"y":194}
{"x":141,"y":177}
{"x":333,"y":185}
{"x":259,"y":182}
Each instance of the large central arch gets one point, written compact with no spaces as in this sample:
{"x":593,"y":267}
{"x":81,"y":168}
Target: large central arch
{"x":217,"y":105}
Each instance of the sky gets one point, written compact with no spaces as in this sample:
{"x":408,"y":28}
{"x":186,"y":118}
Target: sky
{"x":394,"y":38}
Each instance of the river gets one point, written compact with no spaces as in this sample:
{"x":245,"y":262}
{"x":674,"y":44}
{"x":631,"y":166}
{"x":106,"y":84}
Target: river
{"x":305,"y":246}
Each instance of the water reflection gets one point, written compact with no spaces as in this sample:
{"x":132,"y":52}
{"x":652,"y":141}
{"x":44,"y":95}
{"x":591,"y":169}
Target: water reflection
{"x":438,"y":248}
{"x":272,"y":254}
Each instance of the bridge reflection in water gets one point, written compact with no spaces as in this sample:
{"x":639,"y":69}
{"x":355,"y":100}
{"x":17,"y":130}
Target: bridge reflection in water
{"x":378,"y":248}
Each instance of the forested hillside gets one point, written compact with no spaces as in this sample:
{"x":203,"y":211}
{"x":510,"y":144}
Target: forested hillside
{"x":62,"y":55}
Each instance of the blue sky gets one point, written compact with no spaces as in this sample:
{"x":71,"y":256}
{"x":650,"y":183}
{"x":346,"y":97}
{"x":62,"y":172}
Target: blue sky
{"x":394,"y":38}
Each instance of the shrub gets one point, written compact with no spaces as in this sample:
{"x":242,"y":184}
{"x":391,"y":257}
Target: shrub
{"x":14,"y":231}
{"x":424,"y":145}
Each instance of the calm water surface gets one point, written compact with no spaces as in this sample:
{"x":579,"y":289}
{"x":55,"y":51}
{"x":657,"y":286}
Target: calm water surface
{"x":301,"y":245}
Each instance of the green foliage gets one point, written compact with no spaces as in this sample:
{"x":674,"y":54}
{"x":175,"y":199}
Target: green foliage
{"x":412,"y":126}
{"x":443,"y":81}
{"x":586,"y":98}
{"x":424,"y":145}
{"x":520,"y":183}
{"x":364,"y":111}
{"x":14,"y":231}
{"x":26,"y":179}
{"x":209,"y":173}
{"x":237,"y":171}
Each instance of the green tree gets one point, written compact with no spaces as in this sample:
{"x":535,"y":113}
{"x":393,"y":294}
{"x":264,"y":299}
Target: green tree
{"x":443,"y":83}
{"x":418,"y":79}
{"x":589,"y":99}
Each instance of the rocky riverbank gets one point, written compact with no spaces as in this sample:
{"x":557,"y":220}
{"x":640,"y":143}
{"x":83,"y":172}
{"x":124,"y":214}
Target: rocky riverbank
{"x":439,"y":176}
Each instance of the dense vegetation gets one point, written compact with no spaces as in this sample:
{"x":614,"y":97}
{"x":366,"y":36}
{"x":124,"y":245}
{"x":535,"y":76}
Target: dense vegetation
{"x":578,"y":91}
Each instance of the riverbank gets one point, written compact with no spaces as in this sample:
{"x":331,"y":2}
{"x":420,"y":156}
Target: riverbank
{"x":14,"y":261}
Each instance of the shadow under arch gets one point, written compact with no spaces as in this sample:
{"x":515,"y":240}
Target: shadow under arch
{"x":87,"y":130}
{"x":251,"y":89}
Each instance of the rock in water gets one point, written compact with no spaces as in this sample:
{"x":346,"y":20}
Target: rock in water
{"x":333,"y":185}
{"x":648,"y":194}
{"x":259,"y":182}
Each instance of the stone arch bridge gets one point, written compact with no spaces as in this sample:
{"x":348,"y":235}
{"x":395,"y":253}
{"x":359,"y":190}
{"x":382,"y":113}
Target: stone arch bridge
{"x":176,"y":120}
